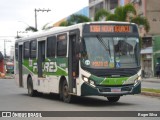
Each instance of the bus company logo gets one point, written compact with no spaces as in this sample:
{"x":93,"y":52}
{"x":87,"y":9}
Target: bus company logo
{"x":6,"y":114}
{"x":21,"y":114}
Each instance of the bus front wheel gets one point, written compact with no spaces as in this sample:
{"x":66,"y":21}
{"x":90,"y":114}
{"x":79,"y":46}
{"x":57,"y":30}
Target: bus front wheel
{"x":65,"y":92}
{"x":31,"y":91}
{"x":113,"y":99}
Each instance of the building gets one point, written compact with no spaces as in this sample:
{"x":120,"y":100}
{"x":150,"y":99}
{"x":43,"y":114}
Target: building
{"x":148,"y":8}
{"x":151,"y":10}
{"x":95,"y":5}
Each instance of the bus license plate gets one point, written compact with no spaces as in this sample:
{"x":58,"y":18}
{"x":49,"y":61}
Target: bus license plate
{"x":115,"y":89}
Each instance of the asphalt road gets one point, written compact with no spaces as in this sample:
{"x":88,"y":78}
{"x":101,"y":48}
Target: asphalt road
{"x":13,"y":98}
{"x":152,"y":85}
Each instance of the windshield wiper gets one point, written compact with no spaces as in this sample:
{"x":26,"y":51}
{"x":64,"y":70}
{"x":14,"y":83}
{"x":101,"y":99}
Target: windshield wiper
{"x":103,"y":43}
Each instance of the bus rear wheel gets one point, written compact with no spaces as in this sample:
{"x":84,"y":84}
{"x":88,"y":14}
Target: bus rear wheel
{"x":113,"y":99}
{"x":31,"y":91}
{"x":65,"y":92}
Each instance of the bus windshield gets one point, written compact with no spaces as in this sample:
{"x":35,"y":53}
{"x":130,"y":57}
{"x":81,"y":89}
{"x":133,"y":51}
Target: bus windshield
{"x":110,"y":52}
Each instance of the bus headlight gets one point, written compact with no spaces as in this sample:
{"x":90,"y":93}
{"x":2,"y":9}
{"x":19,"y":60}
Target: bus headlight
{"x":91,"y":82}
{"x":137,"y":80}
{"x":85,"y":79}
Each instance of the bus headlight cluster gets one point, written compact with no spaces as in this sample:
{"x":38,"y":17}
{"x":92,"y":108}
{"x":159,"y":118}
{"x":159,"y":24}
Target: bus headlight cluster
{"x":85,"y":79}
{"x":137,"y":80}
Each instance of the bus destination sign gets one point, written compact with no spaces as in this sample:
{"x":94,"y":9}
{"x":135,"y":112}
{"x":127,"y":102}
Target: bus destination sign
{"x":62,"y":37}
{"x":111,"y":28}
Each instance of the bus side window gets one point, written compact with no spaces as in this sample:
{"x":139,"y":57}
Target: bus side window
{"x":62,"y":45}
{"x":26,"y":50}
{"x":51,"y":46}
{"x":33,"y":49}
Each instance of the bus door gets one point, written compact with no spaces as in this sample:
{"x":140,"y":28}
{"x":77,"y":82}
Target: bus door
{"x":73,"y":63}
{"x":20,"y":65}
{"x":41,"y":57}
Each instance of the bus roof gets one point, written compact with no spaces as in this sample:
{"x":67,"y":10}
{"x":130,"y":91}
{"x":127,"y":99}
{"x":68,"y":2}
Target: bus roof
{"x":55,"y":30}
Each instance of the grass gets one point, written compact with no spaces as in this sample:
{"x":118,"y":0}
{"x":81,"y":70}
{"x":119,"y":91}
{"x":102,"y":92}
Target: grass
{"x":150,"y":90}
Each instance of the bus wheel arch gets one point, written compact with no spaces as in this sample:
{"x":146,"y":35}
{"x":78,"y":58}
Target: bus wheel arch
{"x":64,"y":90}
{"x":28,"y":79}
{"x":62,"y":79}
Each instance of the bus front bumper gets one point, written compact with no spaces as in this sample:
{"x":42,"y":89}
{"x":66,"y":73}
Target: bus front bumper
{"x":87,"y":89}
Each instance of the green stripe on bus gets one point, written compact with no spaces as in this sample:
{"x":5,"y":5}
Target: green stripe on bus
{"x":114,"y":81}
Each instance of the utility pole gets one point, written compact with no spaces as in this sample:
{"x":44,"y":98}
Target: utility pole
{"x":38,"y":10}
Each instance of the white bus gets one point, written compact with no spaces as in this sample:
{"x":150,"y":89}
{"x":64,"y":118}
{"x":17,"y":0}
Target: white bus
{"x":95,"y":58}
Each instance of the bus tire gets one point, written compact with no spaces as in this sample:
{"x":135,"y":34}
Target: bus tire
{"x":65,"y":92}
{"x":31,"y":91}
{"x":113,"y":99}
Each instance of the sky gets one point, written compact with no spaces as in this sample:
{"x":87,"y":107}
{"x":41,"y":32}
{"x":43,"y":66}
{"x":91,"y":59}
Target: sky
{"x":16,"y":15}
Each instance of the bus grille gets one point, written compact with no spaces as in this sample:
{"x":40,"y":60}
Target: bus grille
{"x":104,"y":89}
{"x":126,"y":88}
{"x":123,"y":89}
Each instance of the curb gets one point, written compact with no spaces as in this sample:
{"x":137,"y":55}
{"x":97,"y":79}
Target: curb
{"x":151,"y":81}
{"x":150,"y":94}
{"x":7,"y":77}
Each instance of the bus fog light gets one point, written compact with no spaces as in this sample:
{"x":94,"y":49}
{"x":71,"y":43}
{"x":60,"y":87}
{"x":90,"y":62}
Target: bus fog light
{"x":91,"y":82}
{"x":136,"y":81}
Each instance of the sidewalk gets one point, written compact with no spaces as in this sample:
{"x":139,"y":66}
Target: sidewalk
{"x":153,"y":79}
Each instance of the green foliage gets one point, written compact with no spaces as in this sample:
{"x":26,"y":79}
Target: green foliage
{"x":151,"y":90}
{"x":30,"y":28}
{"x":46,"y":27}
{"x":74,"y":19}
{"x":129,"y":8}
{"x":64,"y":23}
{"x":140,"y":42}
{"x":119,"y":14}
{"x":141,"y":21}
{"x":113,"y":17}
{"x":100,"y":14}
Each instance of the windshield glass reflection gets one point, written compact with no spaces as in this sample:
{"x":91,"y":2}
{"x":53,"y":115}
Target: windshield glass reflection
{"x":110,"y":52}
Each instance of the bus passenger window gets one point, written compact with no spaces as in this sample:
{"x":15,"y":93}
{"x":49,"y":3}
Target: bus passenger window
{"x":26,"y":50}
{"x":51,"y":45}
{"x":62,"y":45}
{"x":33,"y":49}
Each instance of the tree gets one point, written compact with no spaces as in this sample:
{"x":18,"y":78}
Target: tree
{"x":31,"y":28}
{"x":74,"y":19}
{"x":64,"y":23}
{"x":141,"y":21}
{"x":128,"y":13}
{"x":101,"y":14}
{"x":122,"y":13}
